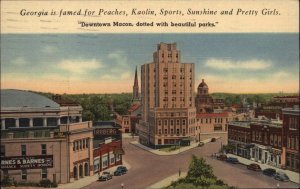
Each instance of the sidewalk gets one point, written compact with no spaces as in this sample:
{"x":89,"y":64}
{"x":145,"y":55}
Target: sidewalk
{"x":167,"y":181}
{"x":87,"y":180}
{"x":294,"y":177}
{"x":162,"y":153}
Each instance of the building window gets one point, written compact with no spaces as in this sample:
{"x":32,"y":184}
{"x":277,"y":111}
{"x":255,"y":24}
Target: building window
{"x":24,"y":174}
{"x":87,"y":143}
{"x":80,"y":144}
{"x":271,"y":139}
{"x":44,"y":173}
{"x":159,"y":122}
{"x":44,"y":149}
{"x":23,"y":150}
{"x":2,"y":153}
{"x":166,"y":131}
{"x":77,"y":145}
{"x":217,"y":127}
{"x":279,"y":141}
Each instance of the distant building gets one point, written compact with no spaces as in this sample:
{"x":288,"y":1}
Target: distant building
{"x":271,"y":141}
{"x":291,"y":137}
{"x":107,"y":145}
{"x":213,"y":125}
{"x":204,"y":102}
{"x":135,"y":91}
{"x":43,"y":138}
{"x":273,"y":109}
{"x":167,"y":97}
{"x":130,"y":119}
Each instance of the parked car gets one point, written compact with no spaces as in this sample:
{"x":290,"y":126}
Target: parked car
{"x":222,"y":157}
{"x":269,"y":172}
{"x":232,"y":160}
{"x":201,"y":144}
{"x":105,"y":176}
{"x":281,"y":176}
{"x":254,"y":167}
{"x":213,"y":140}
{"x":121,"y":170}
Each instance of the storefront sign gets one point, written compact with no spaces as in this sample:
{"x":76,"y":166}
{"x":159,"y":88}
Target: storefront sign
{"x":107,"y":132}
{"x":27,"y":162}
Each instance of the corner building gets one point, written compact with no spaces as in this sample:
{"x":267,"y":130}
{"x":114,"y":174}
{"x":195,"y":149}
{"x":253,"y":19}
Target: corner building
{"x":44,"y":138}
{"x":167,"y":97}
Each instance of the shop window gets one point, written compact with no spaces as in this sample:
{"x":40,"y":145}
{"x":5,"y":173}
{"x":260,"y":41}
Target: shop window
{"x":44,"y":173}
{"x":24,"y":174}
{"x":44,"y":149}
{"x":23,"y":150}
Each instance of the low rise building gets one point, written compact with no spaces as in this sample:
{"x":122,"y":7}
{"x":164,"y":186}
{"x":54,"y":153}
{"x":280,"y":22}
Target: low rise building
{"x":107,"y":144}
{"x":43,"y":139}
{"x":291,"y":137}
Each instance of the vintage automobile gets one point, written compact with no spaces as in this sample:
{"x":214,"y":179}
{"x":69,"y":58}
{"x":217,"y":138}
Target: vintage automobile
{"x":232,"y":160}
{"x":121,"y":170}
{"x":281,"y":176}
{"x":254,"y":167}
{"x":269,"y":172}
{"x":105,"y":176}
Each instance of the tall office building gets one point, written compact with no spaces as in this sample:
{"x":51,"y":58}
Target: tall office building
{"x":167,"y":96}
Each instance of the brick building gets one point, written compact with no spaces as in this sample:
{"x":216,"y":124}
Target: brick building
{"x":291,"y":137}
{"x":107,"y":144}
{"x":43,"y":139}
{"x":167,"y":97}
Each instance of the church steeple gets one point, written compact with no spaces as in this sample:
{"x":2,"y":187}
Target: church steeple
{"x":135,"y":96}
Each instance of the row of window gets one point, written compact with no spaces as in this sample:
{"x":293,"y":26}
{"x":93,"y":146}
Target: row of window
{"x":80,"y":144}
{"x":24,"y":150}
{"x":171,"y":132}
{"x":44,"y":173}
{"x":293,"y":143}
{"x":166,"y":122}
{"x":293,"y":122}
{"x":211,"y":120}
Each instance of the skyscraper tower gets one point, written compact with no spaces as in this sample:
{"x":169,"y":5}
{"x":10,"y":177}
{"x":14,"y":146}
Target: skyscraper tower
{"x":167,"y":97}
{"x":135,"y":95}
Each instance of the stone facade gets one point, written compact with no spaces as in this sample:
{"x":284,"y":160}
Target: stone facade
{"x":167,"y":97}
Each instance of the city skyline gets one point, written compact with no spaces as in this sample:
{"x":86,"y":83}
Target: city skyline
{"x":105,"y":63}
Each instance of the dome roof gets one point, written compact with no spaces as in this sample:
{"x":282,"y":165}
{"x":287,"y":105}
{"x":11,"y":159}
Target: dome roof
{"x":202,"y":84}
{"x":12,"y":98}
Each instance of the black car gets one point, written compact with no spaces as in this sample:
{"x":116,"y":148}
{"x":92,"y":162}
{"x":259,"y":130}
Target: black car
{"x":269,"y":172}
{"x":121,"y":170}
{"x":232,"y":160}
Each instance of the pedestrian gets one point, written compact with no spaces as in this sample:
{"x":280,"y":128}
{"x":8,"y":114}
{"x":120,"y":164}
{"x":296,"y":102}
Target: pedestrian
{"x":122,"y":186}
{"x":179,"y":172}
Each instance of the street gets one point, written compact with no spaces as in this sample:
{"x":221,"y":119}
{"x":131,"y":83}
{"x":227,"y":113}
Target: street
{"x":147,"y":169}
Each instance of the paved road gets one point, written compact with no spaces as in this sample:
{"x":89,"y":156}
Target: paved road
{"x":147,"y":169}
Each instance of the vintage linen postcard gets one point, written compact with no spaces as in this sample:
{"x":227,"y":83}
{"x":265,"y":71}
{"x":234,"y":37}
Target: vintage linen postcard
{"x":150,"y":94}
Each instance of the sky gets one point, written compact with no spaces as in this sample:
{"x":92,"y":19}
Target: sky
{"x":105,"y":63}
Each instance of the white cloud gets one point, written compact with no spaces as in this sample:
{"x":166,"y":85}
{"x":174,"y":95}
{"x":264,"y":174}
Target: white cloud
{"x":228,"y":64}
{"x":125,"y":75}
{"x":49,"y":49}
{"x":119,"y":57}
{"x":19,"y":61}
{"x":79,"y":66}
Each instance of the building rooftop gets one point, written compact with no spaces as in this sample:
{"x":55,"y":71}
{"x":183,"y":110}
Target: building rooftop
{"x":12,"y":98}
{"x":240,"y":123}
{"x":106,"y":124}
{"x":212,"y":115}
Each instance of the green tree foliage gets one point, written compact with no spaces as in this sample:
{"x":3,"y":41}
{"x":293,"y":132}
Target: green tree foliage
{"x":200,"y":175}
